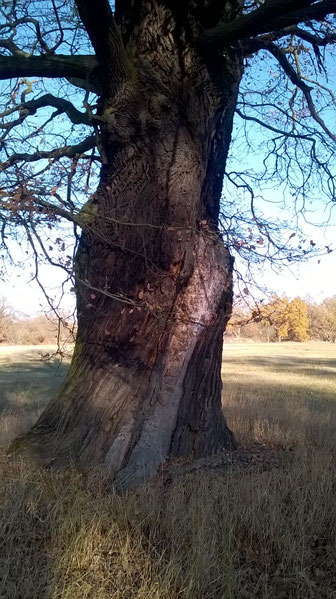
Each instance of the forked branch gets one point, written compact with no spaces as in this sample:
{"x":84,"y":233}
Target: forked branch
{"x":105,"y":37}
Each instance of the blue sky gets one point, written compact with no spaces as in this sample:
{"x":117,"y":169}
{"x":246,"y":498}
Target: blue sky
{"x":275,"y":199}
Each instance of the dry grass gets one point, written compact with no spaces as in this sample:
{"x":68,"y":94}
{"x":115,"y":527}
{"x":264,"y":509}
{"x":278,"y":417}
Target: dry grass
{"x":248,"y":534}
{"x":27,"y":383}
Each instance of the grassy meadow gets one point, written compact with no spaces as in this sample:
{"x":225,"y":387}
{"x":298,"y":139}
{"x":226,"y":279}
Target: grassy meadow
{"x":265,"y":528}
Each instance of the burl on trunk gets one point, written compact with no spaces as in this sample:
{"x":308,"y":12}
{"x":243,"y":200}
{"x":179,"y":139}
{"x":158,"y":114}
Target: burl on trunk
{"x":154,"y":279}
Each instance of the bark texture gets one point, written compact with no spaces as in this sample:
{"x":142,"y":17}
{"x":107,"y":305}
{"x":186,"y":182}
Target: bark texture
{"x":154,"y":279}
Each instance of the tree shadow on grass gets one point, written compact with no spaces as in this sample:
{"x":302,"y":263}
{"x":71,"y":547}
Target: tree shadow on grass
{"x":308,"y":366}
{"x":26,"y":385}
{"x":69,"y":536}
{"x":25,"y":390}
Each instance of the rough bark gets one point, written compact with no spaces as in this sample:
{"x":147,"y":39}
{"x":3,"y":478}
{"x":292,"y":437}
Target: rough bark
{"x":154,"y":279}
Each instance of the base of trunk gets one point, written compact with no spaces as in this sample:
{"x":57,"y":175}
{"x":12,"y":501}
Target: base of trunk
{"x":131,"y":416}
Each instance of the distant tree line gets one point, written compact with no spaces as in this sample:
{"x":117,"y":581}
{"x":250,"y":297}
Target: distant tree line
{"x":44,"y":329}
{"x":282,"y":319}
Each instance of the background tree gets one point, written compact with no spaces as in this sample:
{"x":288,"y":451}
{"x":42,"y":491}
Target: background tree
{"x":316,"y":322}
{"x":322,"y":320}
{"x":298,"y":323}
{"x":329,"y":311}
{"x":144,"y":94}
{"x":20,"y":330}
{"x":298,"y":320}
{"x":5,"y":322}
{"x":285,"y":320}
{"x":277,"y":314}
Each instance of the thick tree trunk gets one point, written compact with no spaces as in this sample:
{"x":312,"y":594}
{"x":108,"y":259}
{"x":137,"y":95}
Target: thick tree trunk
{"x":144,"y":384}
{"x":154,"y":279}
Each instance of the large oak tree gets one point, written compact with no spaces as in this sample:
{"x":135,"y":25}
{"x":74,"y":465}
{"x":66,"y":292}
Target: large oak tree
{"x":148,"y":90}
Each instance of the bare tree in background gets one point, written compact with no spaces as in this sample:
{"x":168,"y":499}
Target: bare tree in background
{"x":143,"y":94}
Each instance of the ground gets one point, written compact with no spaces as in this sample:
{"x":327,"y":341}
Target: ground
{"x":258,"y":523}
{"x":28,"y":380}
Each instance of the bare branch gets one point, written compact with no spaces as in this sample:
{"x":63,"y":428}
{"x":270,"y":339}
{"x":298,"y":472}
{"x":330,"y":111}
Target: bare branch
{"x":62,"y":105}
{"x":59,"y":42}
{"x":271,"y":128}
{"x":65,"y":151}
{"x":315,"y":40}
{"x":272,"y":15}
{"x":295,"y":78}
{"x":80,"y":67}
{"x":47,"y":207}
{"x":251,"y":46}
{"x":11,"y":46}
{"x":11,"y":25}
